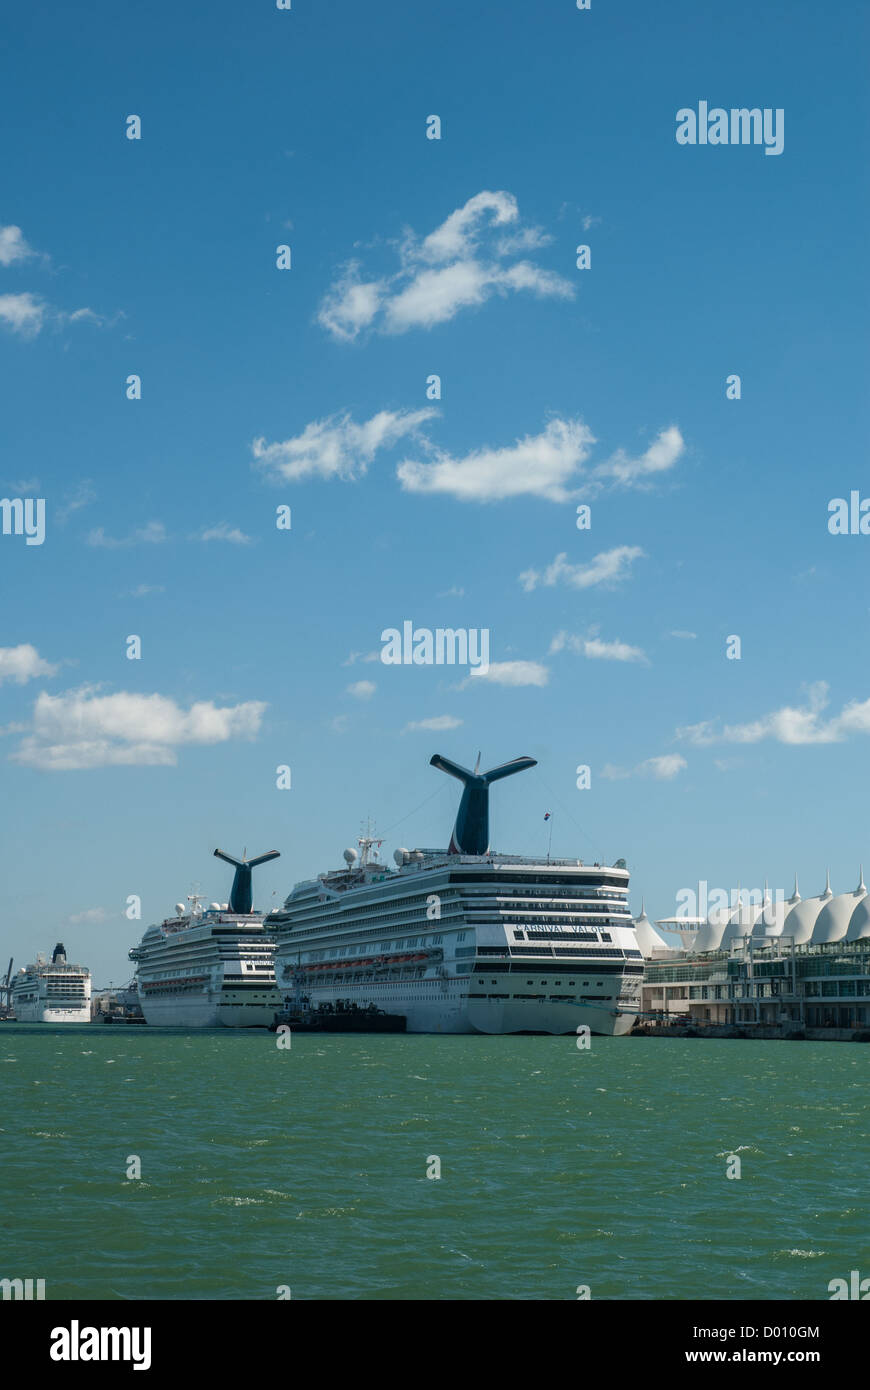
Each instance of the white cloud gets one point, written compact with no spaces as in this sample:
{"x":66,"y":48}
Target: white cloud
{"x":446,"y":271}
{"x":85,"y":316}
{"x":153,"y":533}
{"x":13,"y":247}
{"x":83,"y":496}
{"x":22,"y":664}
{"x":23,"y":313}
{"x":440,"y":723}
{"x":663,"y":768}
{"x":351,"y":303}
{"x":459,"y":233}
{"x":597,"y":650}
{"x":83,"y":729}
{"x":607,"y":567}
{"x":362,"y":690}
{"x":142,"y":590}
{"x":224,"y":532}
{"x":511,"y":673}
{"x":434,"y":296}
{"x":529,"y":239}
{"x":91,"y":916}
{"x":661,"y":455}
{"x":688,"y":636}
{"x":541,"y":465}
{"x":789,"y":724}
{"x":361,"y":656}
{"x":336,"y":447}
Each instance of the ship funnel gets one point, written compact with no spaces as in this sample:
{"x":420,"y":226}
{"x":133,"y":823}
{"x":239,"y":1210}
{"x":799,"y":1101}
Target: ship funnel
{"x":241,"y":895}
{"x":59,"y":954}
{"x":471,"y":831}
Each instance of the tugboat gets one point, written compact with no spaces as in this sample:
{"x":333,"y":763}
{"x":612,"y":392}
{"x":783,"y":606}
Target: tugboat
{"x":340,"y":1016}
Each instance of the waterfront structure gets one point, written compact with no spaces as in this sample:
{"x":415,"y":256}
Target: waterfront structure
{"x":52,"y":991}
{"x":804,"y":961}
{"x":210,"y":968}
{"x":463,"y":939}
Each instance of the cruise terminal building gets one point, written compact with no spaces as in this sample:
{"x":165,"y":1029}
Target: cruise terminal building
{"x":805,"y":961}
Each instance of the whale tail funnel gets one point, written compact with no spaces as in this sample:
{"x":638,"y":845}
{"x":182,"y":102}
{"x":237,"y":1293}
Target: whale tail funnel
{"x":471,"y":831}
{"x":242,"y":894}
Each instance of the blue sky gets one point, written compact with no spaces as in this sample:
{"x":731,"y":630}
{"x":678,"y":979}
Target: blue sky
{"x":307,"y":387}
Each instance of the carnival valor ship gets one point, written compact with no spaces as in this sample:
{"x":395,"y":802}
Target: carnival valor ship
{"x":464,"y":940}
{"x":52,"y":992}
{"x":212,"y":968}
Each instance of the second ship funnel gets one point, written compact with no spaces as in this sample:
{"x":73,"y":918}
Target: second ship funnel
{"x":242,"y":893}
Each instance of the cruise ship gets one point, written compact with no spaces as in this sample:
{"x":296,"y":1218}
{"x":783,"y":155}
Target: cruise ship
{"x":213,"y":967}
{"x":464,"y":940}
{"x":52,"y":991}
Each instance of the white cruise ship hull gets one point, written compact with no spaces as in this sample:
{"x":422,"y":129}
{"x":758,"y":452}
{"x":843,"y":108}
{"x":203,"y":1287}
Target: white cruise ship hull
{"x":46,"y":1013}
{"x":212,"y":970}
{"x":463,"y":939}
{"x":52,"y":992}
{"x":433,"y":1008}
{"x":206,"y":1011}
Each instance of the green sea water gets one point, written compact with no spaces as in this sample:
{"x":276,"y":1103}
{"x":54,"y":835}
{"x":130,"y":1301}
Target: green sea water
{"x":306,"y":1168}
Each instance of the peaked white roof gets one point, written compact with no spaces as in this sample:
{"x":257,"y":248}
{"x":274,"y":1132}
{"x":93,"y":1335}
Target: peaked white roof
{"x":710,"y":935}
{"x":859,"y":924}
{"x":648,"y":939}
{"x":802,"y":918}
{"x":772,"y":918}
{"x":833,"y":921}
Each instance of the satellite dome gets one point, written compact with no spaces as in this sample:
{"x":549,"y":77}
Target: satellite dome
{"x":350,"y":857}
{"x":179,"y":909}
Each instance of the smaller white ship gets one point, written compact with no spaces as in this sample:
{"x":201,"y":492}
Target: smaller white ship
{"x":52,"y":991}
{"x":212,"y":968}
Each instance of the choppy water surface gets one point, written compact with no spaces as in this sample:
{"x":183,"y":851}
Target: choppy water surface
{"x":306,"y":1167}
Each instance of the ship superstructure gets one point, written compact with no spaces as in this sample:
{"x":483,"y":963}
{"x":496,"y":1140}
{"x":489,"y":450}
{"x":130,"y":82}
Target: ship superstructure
{"x":52,"y":991}
{"x":213,"y":967}
{"x":463,"y":939}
